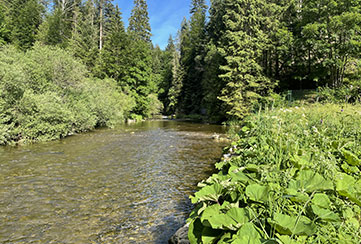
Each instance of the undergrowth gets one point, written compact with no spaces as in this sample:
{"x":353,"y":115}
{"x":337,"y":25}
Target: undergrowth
{"x":291,"y":176}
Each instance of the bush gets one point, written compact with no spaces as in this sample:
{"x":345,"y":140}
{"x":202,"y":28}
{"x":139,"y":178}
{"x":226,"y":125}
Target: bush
{"x":293,"y":176}
{"x":47,"y":94}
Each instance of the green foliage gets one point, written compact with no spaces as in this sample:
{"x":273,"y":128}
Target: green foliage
{"x":242,"y":46}
{"x":192,"y":38}
{"x":47,"y":94}
{"x":24,"y":18}
{"x":286,"y":182}
{"x":139,"y":21}
{"x":4,"y":29}
{"x":83,"y":42}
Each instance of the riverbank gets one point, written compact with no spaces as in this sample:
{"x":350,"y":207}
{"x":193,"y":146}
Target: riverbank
{"x":291,"y":176}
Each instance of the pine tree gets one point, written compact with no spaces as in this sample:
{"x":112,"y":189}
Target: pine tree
{"x":57,"y":29}
{"x":139,"y":21}
{"x":192,"y":58}
{"x":242,"y":47}
{"x":4,"y":29}
{"x":115,"y":55}
{"x":84,"y":43}
{"x":140,"y":77}
{"x":24,"y":19}
{"x":211,"y":83}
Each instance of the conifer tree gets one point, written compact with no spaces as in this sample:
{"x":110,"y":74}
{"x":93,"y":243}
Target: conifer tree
{"x":115,"y":55}
{"x":83,"y":43}
{"x":211,"y":83}
{"x":57,"y":29}
{"x":4,"y":29}
{"x":24,"y":18}
{"x":242,"y":47}
{"x":192,"y":58}
{"x":140,"y":76}
{"x":139,"y":21}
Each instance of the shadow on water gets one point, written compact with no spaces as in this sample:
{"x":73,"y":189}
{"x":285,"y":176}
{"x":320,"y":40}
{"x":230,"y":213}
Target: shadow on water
{"x":126,"y":185}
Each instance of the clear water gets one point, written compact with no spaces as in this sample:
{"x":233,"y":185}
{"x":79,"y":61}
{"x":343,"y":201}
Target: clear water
{"x":126,"y":185}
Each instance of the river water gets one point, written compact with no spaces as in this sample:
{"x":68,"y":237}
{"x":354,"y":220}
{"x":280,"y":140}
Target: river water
{"x":125,"y":185}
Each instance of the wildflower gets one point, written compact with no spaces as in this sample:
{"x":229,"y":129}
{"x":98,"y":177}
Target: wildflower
{"x":321,"y":121}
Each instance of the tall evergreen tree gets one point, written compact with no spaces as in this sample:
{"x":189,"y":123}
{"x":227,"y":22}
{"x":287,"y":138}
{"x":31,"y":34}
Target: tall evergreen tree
{"x":4,"y":28}
{"x":140,"y":77}
{"x":24,"y":18}
{"x":58,"y":25}
{"x":84,"y":43}
{"x":115,"y":55}
{"x":211,"y":83}
{"x":139,"y":21}
{"x":242,"y":47}
{"x":192,"y":58}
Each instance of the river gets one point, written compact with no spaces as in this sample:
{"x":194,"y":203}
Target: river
{"x":124,"y":185}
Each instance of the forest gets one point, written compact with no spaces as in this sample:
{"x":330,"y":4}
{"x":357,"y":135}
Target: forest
{"x":58,"y":58}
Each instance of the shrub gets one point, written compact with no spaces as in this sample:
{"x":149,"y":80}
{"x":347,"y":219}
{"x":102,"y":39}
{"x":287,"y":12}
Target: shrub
{"x":293,"y":176}
{"x":47,"y":94}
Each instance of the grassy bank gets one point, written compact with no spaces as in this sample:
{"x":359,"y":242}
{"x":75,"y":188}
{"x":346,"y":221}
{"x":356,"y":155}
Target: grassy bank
{"x":292,"y":176}
{"x":47,"y":94}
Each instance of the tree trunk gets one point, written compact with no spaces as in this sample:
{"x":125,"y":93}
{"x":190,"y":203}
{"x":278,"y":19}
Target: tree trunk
{"x":101,"y":25}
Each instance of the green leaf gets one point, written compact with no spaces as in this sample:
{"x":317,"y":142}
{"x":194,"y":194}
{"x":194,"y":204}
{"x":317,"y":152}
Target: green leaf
{"x":210,"y":193}
{"x":321,"y":200}
{"x":350,"y":169}
{"x":248,"y":234}
{"x":213,"y":217}
{"x":209,"y":235}
{"x":294,"y":195}
{"x":286,"y":239}
{"x":239,"y":215}
{"x":257,"y":193}
{"x":301,"y":161}
{"x":325,"y":214}
{"x":289,"y":225}
{"x":195,"y":231}
{"x":351,"y":158}
{"x":311,"y":181}
{"x":347,"y":186}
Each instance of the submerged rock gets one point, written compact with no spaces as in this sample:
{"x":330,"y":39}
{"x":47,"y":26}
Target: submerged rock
{"x":181,"y":236}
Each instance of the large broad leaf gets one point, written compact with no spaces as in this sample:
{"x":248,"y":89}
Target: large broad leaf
{"x":257,"y":193}
{"x":239,"y":215}
{"x":239,"y":176}
{"x":311,"y":181}
{"x":214,"y":217}
{"x":286,"y":239}
{"x":294,"y":195}
{"x":209,"y":235}
{"x":301,"y":161}
{"x":288,"y":225}
{"x":210,"y":193}
{"x":195,"y":231}
{"x":347,"y":186}
{"x":325,"y":214}
{"x":248,"y":234}
{"x":321,"y":200}
{"x":351,"y":158}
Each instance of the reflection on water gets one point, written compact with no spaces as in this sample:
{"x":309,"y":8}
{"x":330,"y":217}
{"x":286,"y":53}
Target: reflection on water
{"x":126,"y":185}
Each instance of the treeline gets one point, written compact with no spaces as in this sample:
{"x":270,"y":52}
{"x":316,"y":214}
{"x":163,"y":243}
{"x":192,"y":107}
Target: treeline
{"x":226,"y":59}
{"x":92,"y":31}
{"x":224,"y":64}
{"x":70,"y":65}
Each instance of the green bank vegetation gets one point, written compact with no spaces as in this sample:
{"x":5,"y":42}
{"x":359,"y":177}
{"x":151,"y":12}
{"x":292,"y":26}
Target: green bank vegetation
{"x":47,"y":94}
{"x":292,"y":176}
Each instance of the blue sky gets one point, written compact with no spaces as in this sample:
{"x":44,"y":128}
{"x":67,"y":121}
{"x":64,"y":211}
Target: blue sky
{"x":165,"y":17}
